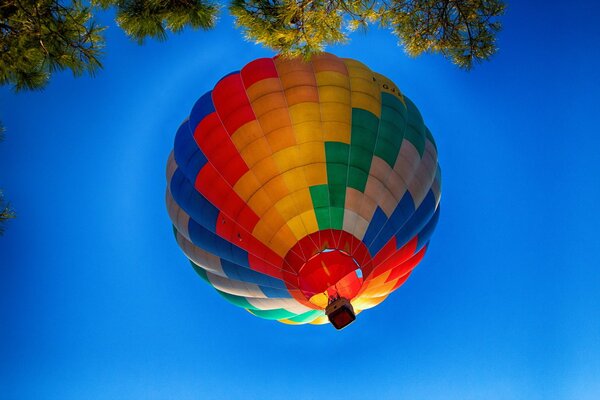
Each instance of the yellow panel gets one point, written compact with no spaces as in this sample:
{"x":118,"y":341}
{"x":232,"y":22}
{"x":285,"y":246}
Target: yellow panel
{"x":328,"y":62}
{"x":287,"y":158}
{"x":310,"y":131}
{"x":255,"y":152}
{"x":387,"y":86}
{"x":316,"y":174}
{"x":265,"y":170}
{"x":268,"y":102}
{"x":263,"y":87}
{"x":303,"y":200}
{"x":297,"y":227}
{"x":319,"y":320}
{"x":380,"y":290}
{"x":276,"y":189}
{"x":330,"y":93}
{"x":334,"y":131}
{"x":336,"y":123}
{"x":287,"y":66}
{"x":309,"y":219}
{"x":288,"y":322}
{"x":311,"y":152}
{"x":298,"y":94}
{"x":354,"y":64}
{"x":366,"y":102}
{"x":287,"y":208}
{"x":263,"y":232}
{"x":246,"y":186}
{"x":294,"y":179}
{"x":306,"y":111}
{"x":282,"y":241}
{"x":281,"y":138}
{"x":246,"y":134}
{"x":332,"y":78}
{"x":320,"y":300}
{"x":366,"y":85}
{"x":363,"y":303}
{"x":338,"y":112}
{"x":260,"y":202}
{"x":275,"y":119}
{"x":374,"y":282}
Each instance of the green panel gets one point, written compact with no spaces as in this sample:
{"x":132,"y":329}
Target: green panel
{"x":388,"y":151}
{"x":392,"y":128}
{"x":336,"y":173}
{"x":279,"y":313}
{"x":357,"y":178}
{"x":237,"y":300}
{"x":323,"y":217}
{"x":430,"y":137}
{"x":365,"y":126}
{"x":320,"y":196}
{"x":201,"y":272}
{"x":337,"y":195}
{"x":336,"y":152}
{"x":336,"y":155}
{"x":416,"y":129}
{"x":337,"y":217}
{"x":308,"y":316}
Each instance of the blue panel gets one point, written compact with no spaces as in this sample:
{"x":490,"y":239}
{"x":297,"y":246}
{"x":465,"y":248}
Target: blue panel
{"x":201,"y":109}
{"x":239,"y":273}
{"x":419,"y":219}
{"x":427,"y":231}
{"x":381,"y":229}
{"x":275,"y":293}
{"x":210,"y":242}
{"x":375,"y":226}
{"x":384,"y":235}
{"x":192,"y":202}
{"x":187,"y":154}
{"x":402,"y":212}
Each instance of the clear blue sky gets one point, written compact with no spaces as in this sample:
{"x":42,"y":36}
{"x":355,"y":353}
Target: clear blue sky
{"x":98,"y":302}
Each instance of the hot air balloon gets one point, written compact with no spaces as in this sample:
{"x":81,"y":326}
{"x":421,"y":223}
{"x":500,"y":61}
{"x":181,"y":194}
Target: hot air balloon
{"x":304,"y":192}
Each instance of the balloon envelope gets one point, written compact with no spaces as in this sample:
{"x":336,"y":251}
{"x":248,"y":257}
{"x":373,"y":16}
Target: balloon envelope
{"x":295,"y":183}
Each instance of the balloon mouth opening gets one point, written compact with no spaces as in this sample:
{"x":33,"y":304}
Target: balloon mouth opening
{"x":329,"y":275}
{"x":340,"y":313}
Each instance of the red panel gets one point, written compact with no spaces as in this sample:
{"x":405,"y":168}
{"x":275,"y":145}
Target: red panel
{"x":257,"y":70}
{"x":212,"y":185}
{"x":386,"y":251}
{"x":264,"y":267}
{"x":401,"y":281}
{"x":217,"y":146}
{"x":406,"y":266}
{"x":396,"y":258}
{"x":231,"y":103}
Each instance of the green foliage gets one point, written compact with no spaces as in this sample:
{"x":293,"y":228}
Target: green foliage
{"x":6,"y":212}
{"x":295,"y":28}
{"x":43,"y":36}
{"x":463,"y":30}
{"x":153,"y":18}
{"x":39,"y":37}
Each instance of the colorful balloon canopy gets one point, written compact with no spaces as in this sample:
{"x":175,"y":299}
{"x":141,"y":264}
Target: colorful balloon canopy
{"x":293,"y":184}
